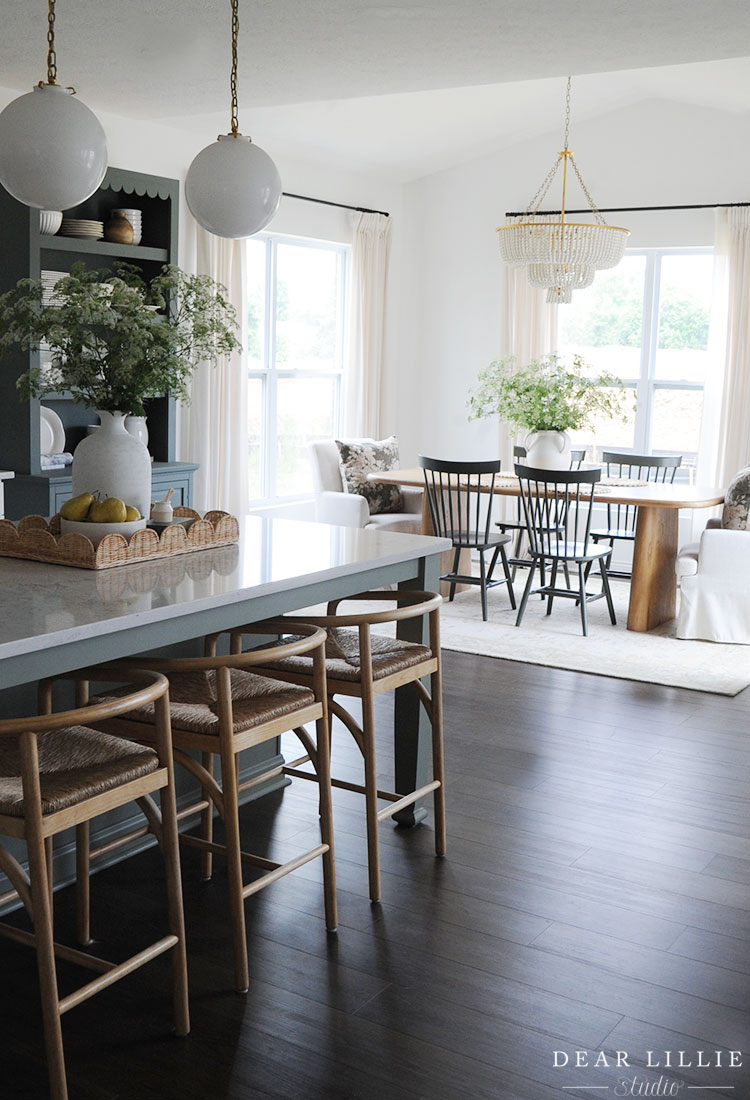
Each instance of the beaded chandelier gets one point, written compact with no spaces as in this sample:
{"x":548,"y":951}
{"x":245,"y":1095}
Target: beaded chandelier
{"x":560,"y":255}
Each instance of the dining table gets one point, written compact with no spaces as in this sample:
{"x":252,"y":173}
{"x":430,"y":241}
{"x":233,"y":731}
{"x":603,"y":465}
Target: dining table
{"x":56,"y":619}
{"x":653,"y":585}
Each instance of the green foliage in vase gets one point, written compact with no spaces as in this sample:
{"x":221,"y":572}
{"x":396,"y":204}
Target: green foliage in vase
{"x":116,"y":339}
{"x":545,"y":395}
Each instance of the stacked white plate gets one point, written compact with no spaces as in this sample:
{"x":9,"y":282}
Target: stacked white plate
{"x":49,"y":281}
{"x":82,"y":227}
{"x":134,"y":217}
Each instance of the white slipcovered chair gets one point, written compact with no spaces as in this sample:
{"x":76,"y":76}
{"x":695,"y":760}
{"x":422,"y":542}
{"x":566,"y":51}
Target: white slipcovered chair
{"x":714,"y":576}
{"x":333,"y":505}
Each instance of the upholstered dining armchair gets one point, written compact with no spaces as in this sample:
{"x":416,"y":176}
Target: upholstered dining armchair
{"x":333,"y":504}
{"x":714,"y":574}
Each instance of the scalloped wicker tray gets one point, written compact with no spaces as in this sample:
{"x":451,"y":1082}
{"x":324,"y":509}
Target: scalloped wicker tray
{"x":37,"y":540}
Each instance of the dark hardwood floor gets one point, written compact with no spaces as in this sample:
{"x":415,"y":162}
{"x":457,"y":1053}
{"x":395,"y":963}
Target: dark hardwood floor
{"x":595,"y":897}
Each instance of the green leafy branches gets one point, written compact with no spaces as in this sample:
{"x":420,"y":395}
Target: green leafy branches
{"x":545,"y":395}
{"x":116,"y":339}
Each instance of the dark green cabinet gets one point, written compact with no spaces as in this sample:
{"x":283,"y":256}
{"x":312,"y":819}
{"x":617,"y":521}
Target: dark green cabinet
{"x":25,"y":252}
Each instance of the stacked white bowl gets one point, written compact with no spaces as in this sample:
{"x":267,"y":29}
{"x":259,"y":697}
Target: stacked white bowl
{"x":50,"y":221}
{"x":134,"y":217}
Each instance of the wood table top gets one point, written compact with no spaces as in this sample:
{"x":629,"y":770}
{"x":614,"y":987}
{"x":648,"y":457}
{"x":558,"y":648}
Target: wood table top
{"x":653,"y":495}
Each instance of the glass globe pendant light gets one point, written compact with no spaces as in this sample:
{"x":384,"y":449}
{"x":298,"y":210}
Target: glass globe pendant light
{"x":233,"y":188}
{"x":53,"y":150}
{"x":560,"y":255}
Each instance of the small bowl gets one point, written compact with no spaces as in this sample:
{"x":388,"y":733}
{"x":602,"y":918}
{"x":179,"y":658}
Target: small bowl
{"x":50,"y":221}
{"x":97,"y":531}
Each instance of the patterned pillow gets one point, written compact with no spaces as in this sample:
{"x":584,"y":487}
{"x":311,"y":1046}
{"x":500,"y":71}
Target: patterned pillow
{"x":357,"y":460}
{"x":737,"y":502}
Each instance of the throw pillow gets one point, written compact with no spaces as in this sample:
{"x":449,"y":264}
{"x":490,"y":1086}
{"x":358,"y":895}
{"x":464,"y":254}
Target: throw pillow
{"x":357,"y":460}
{"x":737,"y":502}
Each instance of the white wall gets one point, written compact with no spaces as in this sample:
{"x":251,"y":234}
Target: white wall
{"x":654,"y":153}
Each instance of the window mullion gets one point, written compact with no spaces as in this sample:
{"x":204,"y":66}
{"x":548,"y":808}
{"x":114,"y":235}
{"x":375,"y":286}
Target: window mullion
{"x":645,"y":391}
{"x":270,"y":448}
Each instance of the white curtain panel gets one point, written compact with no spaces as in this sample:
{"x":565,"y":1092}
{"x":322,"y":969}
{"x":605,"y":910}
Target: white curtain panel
{"x":529,"y":330}
{"x":733,"y":437}
{"x":366,"y":326}
{"x":214,"y":426}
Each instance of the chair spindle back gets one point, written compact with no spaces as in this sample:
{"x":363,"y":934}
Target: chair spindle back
{"x":659,"y":469}
{"x":557,"y":509}
{"x":460,"y":497}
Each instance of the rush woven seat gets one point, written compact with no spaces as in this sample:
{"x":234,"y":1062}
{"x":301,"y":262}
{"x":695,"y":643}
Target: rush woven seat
{"x":74,"y":763}
{"x":57,"y":772}
{"x":220,"y":706}
{"x":343,"y":661}
{"x":362,"y":665}
{"x":194,"y":703}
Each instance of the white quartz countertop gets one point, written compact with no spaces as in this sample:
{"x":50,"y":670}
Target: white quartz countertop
{"x":43,"y":606}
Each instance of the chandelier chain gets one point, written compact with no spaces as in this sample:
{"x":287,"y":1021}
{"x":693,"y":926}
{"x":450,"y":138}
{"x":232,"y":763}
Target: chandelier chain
{"x":539,"y":197}
{"x":51,"y":55}
{"x":567,"y":115}
{"x":584,"y":188}
{"x":233,"y":80}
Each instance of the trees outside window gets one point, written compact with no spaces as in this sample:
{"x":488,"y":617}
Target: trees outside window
{"x":647,"y":321}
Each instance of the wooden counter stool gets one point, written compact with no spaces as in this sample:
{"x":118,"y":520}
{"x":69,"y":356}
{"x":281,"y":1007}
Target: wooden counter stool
{"x":57,"y":772}
{"x":363,"y":666}
{"x":220,"y":706}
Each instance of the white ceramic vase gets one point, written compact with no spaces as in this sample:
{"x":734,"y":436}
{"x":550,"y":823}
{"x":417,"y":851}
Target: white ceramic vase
{"x":548,"y":450}
{"x":113,"y":463}
{"x":136,"y":425}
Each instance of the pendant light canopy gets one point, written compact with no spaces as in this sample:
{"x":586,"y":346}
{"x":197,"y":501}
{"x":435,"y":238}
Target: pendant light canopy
{"x":561,"y":255}
{"x":53,"y":150}
{"x":233,"y":188}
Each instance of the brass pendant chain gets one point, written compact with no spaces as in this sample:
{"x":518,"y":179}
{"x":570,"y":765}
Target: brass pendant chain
{"x":51,"y":55}
{"x":233,"y":80}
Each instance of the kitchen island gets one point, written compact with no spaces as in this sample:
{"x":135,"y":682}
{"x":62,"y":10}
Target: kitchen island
{"x":56,"y":618}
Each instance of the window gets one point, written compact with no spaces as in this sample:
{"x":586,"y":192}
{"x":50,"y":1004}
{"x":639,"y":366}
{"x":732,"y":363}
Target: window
{"x":647,"y":322}
{"x":295,"y":304}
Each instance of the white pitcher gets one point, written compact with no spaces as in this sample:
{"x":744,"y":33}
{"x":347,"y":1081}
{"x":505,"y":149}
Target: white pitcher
{"x":548,"y":450}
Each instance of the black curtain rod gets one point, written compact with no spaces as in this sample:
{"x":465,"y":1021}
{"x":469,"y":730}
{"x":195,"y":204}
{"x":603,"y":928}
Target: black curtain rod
{"x":631,"y":209}
{"x":341,"y":205}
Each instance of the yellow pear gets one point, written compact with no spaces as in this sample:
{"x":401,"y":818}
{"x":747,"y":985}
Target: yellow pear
{"x":131,"y":513}
{"x":109,"y":510}
{"x":77,"y":508}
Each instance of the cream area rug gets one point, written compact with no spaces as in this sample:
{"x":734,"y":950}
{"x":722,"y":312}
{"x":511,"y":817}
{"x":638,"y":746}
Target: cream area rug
{"x":556,"y":640}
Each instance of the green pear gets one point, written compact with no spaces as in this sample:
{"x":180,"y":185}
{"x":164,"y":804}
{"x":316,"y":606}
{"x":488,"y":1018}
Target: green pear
{"x":109,"y":510}
{"x":77,"y":508}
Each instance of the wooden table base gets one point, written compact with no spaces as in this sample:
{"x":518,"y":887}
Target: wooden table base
{"x":653,"y":589}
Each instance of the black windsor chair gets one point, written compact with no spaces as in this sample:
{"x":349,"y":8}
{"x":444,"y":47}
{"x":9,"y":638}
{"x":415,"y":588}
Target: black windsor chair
{"x":518,"y":524}
{"x":460,"y":496}
{"x":621,"y":518}
{"x":557,"y":507}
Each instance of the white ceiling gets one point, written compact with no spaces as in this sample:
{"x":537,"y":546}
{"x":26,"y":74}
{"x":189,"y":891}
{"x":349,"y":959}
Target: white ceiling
{"x":400,"y":87}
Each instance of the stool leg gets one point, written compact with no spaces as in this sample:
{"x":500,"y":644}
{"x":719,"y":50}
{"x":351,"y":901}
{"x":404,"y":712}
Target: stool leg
{"x":83,"y":891}
{"x":438,"y":766}
{"x":207,"y":820}
{"x":170,"y":846}
{"x":370,"y":764}
{"x":232,"y":829}
{"x":326,"y":824}
{"x":371,"y":802}
{"x":45,"y":944}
